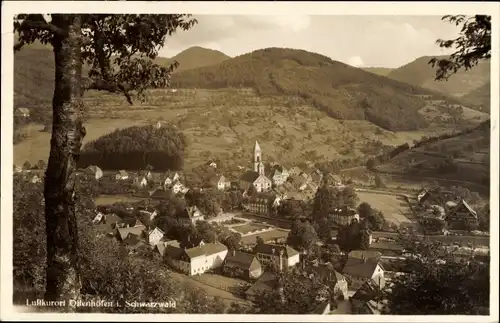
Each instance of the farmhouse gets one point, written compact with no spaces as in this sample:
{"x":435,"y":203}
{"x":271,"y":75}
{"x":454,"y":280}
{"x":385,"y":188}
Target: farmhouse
{"x":95,"y":171}
{"x":358,"y":271}
{"x":326,"y":273}
{"x":220,"y":182}
{"x":124,"y":233}
{"x":242,"y":264}
{"x":155,"y":236}
{"x":197,"y":260}
{"x":462,"y":216}
{"x":281,"y":256}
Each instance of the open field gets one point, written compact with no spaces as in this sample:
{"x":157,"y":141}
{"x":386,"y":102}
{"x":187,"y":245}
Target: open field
{"x":268,"y":236}
{"x":110,"y":199}
{"x":226,"y":296}
{"x":232,"y":285}
{"x":246,"y":228}
{"x":395,"y":209}
{"x":37,"y":144}
{"x":225,"y":123}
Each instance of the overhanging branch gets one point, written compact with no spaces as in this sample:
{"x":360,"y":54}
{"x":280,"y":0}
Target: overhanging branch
{"x":112,"y":87}
{"x":40,"y":25}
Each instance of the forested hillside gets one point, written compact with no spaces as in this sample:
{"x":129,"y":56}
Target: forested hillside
{"x":342,"y":91}
{"x":420,"y":73}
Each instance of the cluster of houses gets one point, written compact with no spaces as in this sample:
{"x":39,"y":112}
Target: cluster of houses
{"x":441,"y":205}
{"x":279,"y":183}
{"x":258,"y":266}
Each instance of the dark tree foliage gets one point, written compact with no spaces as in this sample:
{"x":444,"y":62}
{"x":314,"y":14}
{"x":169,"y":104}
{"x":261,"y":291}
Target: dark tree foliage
{"x":135,"y":148}
{"x":328,"y":198}
{"x":431,"y":286}
{"x":471,"y":46}
{"x":302,"y":235}
{"x":294,"y":293}
{"x":119,"y":50}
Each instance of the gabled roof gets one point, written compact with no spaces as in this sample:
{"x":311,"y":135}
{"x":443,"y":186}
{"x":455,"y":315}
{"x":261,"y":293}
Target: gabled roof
{"x":122,"y":173}
{"x":266,"y":282}
{"x":270,"y":249}
{"x":205,"y":250}
{"x":125,"y":232}
{"x":257,"y":146}
{"x":326,"y":271}
{"x":365,"y":254}
{"x":242,"y":260}
{"x":360,"y":268}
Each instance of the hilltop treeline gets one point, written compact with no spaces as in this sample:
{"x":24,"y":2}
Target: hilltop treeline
{"x":385,"y":156}
{"x":342,"y":91}
{"x":136,"y":147}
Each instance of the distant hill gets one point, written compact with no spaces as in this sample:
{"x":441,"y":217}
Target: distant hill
{"x":344,"y":92}
{"x":383,"y":71}
{"x":479,"y":97}
{"x":34,"y":71}
{"x":420,"y":73}
{"x":195,"y":57}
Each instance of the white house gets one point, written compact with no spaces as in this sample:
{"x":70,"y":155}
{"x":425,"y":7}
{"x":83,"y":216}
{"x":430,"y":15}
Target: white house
{"x":167,"y":182}
{"x":155,"y":236}
{"x":282,"y":256}
{"x":178,"y":187}
{"x":361,"y":270}
{"x":197,"y":260}
{"x":222,"y":183}
{"x":98,"y":218}
{"x":36,"y":179}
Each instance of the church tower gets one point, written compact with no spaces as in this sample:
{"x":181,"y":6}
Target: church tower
{"x":257,"y":158}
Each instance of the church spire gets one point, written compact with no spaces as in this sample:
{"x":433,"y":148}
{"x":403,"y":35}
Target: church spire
{"x":257,"y":157}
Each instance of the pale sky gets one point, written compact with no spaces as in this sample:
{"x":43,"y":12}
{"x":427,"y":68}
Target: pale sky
{"x":362,"y":41}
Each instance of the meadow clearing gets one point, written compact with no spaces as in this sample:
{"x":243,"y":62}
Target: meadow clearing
{"x":395,"y":209}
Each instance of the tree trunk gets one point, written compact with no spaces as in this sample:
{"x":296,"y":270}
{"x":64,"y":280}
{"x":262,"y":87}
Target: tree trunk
{"x":63,"y":279}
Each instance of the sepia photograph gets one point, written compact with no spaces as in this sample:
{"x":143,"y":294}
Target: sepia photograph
{"x":276,"y":163}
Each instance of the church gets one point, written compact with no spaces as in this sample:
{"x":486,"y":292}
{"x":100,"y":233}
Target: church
{"x":256,"y":177}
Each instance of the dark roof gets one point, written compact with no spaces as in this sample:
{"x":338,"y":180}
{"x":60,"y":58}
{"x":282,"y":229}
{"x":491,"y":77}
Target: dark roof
{"x":366,"y":292}
{"x":242,"y":260}
{"x":365,"y":254}
{"x":359,"y":267}
{"x":386,"y":245}
{"x":266,"y":282}
{"x":160,"y":194}
{"x":125,"y":232}
{"x":268,"y":249}
{"x":326,"y":271}
{"x":173,"y":252}
{"x":249,"y":176}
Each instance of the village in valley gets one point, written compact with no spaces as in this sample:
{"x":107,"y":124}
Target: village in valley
{"x":246,"y":242}
{"x":275,"y":181}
